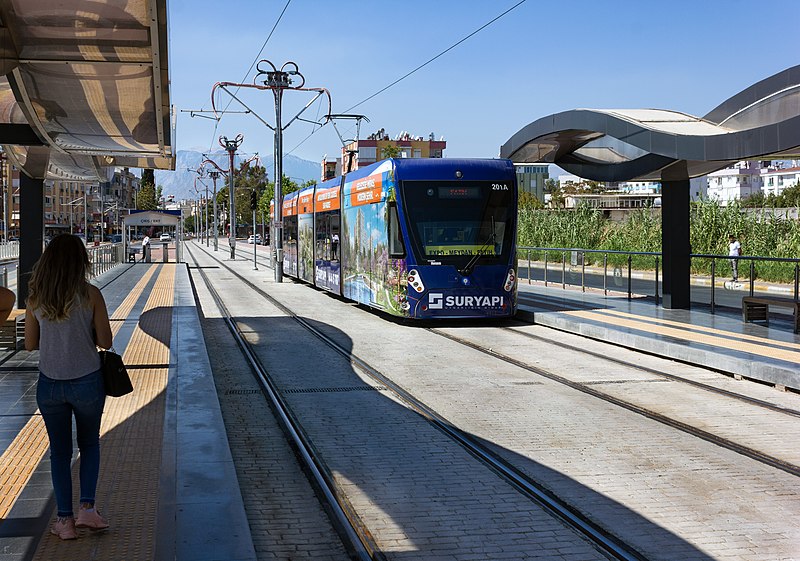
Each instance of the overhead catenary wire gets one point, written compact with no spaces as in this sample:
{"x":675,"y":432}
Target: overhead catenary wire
{"x":420,"y":67}
{"x":424,"y":64}
{"x":255,"y":61}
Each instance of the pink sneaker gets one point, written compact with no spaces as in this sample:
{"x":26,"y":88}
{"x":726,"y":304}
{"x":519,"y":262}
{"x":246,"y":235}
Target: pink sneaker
{"x":90,"y":518}
{"x":64,"y":528}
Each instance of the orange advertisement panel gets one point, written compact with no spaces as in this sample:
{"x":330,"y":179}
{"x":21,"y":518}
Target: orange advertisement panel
{"x":306,"y":202}
{"x":327,"y":199}
{"x":367,"y":190}
{"x":290,"y":206}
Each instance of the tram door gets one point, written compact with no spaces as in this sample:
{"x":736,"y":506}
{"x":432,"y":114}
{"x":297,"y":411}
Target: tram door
{"x":328,"y":251}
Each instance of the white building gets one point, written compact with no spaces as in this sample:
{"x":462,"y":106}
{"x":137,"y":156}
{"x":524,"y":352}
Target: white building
{"x":735,"y":183}
{"x":698,"y":188}
{"x":775,"y":181}
{"x":639,"y":187}
{"x":563,"y":180}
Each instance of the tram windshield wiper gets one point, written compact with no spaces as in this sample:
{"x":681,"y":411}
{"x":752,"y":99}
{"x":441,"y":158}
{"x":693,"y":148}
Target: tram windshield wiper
{"x":467,"y":269}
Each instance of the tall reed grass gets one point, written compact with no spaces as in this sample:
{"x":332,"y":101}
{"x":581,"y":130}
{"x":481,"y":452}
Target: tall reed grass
{"x":760,"y":233}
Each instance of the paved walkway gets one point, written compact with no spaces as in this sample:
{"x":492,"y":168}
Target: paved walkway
{"x":167,"y":481}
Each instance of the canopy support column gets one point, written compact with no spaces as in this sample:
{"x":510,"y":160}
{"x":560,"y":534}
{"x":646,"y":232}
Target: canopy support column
{"x":675,"y":246}
{"x":31,"y":231}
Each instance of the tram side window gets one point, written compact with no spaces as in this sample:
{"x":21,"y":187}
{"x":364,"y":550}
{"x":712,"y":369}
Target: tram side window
{"x":396,"y":247}
{"x":323,"y":236}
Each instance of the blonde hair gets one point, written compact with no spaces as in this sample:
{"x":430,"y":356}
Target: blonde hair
{"x":60,"y":279}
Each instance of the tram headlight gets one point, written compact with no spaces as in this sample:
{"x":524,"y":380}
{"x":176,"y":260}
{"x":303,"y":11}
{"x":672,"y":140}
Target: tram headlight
{"x":415,"y":281}
{"x":511,"y":278}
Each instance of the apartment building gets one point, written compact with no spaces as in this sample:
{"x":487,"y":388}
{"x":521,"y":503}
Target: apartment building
{"x":362,"y":152}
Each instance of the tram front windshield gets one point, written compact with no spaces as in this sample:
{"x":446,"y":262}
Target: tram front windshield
{"x":453,"y":222}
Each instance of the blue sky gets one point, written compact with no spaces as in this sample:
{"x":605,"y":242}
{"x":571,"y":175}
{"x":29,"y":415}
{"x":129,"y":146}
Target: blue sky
{"x":541,"y":58}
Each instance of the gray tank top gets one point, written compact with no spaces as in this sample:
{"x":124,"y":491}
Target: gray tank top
{"x":66,"y":348}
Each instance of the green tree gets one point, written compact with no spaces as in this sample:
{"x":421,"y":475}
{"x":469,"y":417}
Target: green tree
{"x":246,"y":178}
{"x":390,"y":151}
{"x":146,"y":197}
{"x":756,"y":200}
{"x":790,"y":196}
{"x":528,"y":201}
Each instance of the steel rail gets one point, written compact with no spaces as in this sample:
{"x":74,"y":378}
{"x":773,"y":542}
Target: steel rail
{"x":745,"y":451}
{"x":353,"y":532}
{"x":671,"y":377}
{"x":609,"y":544}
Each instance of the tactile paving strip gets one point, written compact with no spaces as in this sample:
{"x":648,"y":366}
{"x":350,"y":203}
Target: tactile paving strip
{"x":29,"y":447}
{"x":131,"y":439}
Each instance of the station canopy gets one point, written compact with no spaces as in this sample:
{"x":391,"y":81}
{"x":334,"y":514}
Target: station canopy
{"x":85,"y":85}
{"x":760,"y":122}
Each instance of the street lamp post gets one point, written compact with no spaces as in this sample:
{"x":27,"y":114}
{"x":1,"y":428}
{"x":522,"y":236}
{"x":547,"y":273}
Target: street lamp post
{"x":214,"y":175}
{"x":231,"y":146}
{"x":277,"y":80}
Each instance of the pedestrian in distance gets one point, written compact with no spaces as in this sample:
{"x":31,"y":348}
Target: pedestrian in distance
{"x":66,"y":319}
{"x":145,"y":246}
{"x":334,"y":246}
{"x":734,"y":250}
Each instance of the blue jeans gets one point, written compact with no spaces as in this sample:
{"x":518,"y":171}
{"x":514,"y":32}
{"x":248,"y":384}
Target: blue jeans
{"x":58,"y":401}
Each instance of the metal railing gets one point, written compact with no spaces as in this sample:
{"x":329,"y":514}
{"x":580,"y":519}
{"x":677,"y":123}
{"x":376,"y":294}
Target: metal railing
{"x":9,"y":250}
{"x":104,"y":257}
{"x":648,"y":269}
{"x":753,"y":272}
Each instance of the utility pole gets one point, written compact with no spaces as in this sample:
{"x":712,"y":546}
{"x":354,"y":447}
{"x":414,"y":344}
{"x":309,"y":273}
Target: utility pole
{"x":214,"y":175}
{"x":205,"y":211}
{"x":277,"y":81}
{"x":231,"y":146}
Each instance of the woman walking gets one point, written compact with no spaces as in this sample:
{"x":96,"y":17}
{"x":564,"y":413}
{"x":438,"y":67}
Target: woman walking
{"x":66,"y":319}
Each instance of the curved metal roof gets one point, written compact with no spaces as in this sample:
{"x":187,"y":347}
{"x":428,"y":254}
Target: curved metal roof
{"x":761,"y":122}
{"x":88,"y":82}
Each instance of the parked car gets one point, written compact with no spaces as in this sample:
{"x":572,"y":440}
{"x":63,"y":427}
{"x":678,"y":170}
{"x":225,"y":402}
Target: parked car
{"x":164,"y":237}
{"x":254,"y":238}
{"x":115,"y":238}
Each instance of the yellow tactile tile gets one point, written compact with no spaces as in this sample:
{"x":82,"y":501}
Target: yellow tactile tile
{"x":18,"y":461}
{"x":29,"y":447}
{"x":130,"y":441}
{"x":724,"y":342}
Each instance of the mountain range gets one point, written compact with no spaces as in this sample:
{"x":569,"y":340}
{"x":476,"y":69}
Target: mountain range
{"x":180,"y":183}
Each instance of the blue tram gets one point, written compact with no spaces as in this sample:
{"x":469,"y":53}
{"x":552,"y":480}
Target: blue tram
{"x":417,"y":238}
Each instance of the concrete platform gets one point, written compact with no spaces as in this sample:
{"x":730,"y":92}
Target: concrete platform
{"x":721,"y":341}
{"x":167,"y":483}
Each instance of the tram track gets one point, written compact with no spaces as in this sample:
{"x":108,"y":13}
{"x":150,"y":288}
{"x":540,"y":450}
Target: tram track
{"x":722,"y":442}
{"x":608,"y":544}
{"x":354,"y":533}
{"x":717,"y":440}
{"x":665,"y":375}
{"x":660,"y":373}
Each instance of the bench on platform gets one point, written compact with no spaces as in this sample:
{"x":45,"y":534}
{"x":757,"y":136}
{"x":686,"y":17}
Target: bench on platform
{"x":12,"y":331}
{"x":756,"y":308}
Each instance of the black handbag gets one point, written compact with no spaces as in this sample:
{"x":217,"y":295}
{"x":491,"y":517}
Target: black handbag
{"x":115,"y":375}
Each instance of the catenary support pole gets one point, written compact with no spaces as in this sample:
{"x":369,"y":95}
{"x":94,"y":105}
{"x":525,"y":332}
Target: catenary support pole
{"x":278,"y":197}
